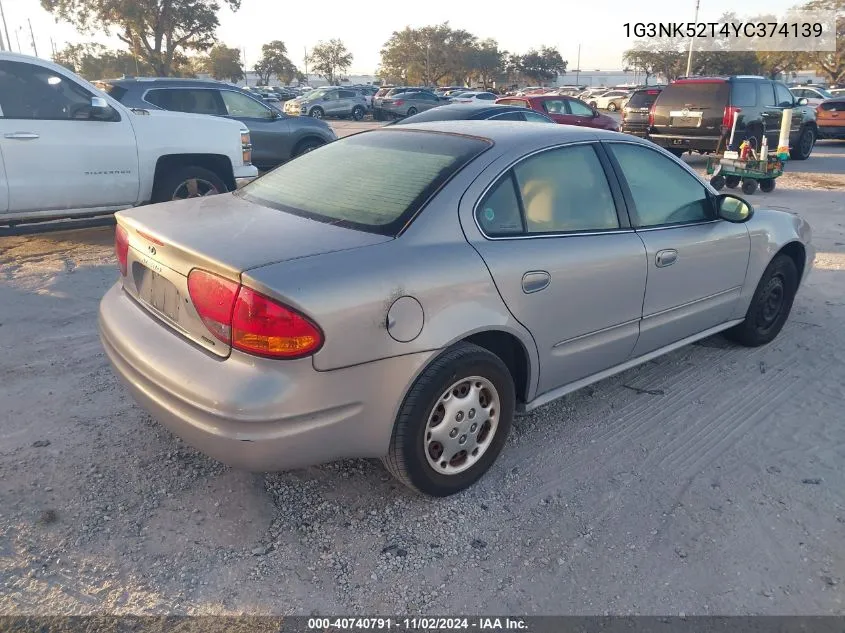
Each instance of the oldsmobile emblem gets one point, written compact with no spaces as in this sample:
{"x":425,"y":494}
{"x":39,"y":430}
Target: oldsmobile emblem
{"x":685,"y":112}
{"x":152,"y":250}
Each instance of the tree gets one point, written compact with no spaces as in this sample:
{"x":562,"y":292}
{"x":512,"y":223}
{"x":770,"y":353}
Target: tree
{"x":223,"y":63}
{"x":542,"y":66}
{"x":830,"y":63}
{"x":95,"y":61}
{"x":274,"y":61}
{"x":330,"y":60}
{"x":428,"y":55}
{"x":159,"y":31}
{"x":658,"y":57}
{"x":487,"y":61}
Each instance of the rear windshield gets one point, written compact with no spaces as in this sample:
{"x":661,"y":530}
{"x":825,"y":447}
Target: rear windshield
{"x":833,"y":106}
{"x":643,"y":98}
{"x":445,"y":113}
{"x":699,"y":94}
{"x":373,"y":182}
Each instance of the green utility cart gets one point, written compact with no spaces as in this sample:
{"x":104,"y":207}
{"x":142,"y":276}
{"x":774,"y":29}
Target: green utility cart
{"x":750,"y":173}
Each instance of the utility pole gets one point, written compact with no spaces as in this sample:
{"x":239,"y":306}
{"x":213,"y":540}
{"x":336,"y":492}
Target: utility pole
{"x":689,"y":56}
{"x":305,"y":61}
{"x":32,"y":36}
{"x":17,"y":39}
{"x":246,"y":77}
{"x":578,"y":65}
{"x":5,"y":27}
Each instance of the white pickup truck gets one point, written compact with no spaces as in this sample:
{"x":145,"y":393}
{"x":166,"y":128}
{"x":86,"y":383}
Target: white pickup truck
{"x":69,"y":150}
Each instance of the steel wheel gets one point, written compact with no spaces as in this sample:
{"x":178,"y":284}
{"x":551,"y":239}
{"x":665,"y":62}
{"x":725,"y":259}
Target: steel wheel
{"x":462,"y":425}
{"x":772,"y":300}
{"x":194,"y":188}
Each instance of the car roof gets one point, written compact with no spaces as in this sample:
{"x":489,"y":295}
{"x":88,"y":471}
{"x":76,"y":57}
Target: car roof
{"x":512,"y":133}
{"x":173,"y":82}
{"x":466,"y":111}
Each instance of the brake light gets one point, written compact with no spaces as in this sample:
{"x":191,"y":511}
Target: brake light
{"x":121,"y":248}
{"x":267,"y":328}
{"x":399,"y":102}
{"x":214,"y":298}
{"x":249,"y":321}
{"x":728,"y":116}
{"x":651,"y":115}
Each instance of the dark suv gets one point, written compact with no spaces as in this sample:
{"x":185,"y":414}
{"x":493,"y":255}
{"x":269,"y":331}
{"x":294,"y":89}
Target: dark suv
{"x":635,"y":112}
{"x":276,"y":137}
{"x":692,"y":114}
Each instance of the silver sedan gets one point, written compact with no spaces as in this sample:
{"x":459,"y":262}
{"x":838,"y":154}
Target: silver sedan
{"x":474,"y":269}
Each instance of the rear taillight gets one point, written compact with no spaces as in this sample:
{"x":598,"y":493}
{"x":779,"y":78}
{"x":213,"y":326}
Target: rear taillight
{"x":213,"y":298}
{"x":249,"y":321}
{"x":651,"y":115}
{"x":121,"y":248}
{"x":399,"y":102}
{"x":263,"y":326}
{"x":728,"y":116}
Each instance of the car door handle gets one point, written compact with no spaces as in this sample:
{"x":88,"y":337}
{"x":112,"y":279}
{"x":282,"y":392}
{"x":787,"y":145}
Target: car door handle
{"x":21,"y":136}
{"x":666,"y":257}
{"x":535,"y":281}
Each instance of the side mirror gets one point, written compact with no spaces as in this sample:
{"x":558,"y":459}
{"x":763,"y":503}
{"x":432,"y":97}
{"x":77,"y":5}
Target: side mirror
{"x":100,"y":108}
{"x":733,"y":208}
{"x":803,"y":101}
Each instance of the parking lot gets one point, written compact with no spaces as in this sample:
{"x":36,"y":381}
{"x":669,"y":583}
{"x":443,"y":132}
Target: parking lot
{"x":708,"y":481}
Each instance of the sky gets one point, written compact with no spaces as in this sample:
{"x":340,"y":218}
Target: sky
{"x":596,"y":26}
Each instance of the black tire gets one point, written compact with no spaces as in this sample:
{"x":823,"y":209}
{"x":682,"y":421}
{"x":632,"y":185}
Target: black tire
{"x":767,"y":185}
{"x":358,"y":113}
{"x":768,"y":311}
{"x":177,"y":185}
{"x":406,"y":459}
{"x":732,"y":182}
{"x":305,"y":146}
{"x":411,"y":111}
{"x":612,"y":107}
{"x":316,"y":112}
{"x":804,"y":147}
{"x":749,"y":186}
{"x":592,"y":104}
{"x":718,"y":182}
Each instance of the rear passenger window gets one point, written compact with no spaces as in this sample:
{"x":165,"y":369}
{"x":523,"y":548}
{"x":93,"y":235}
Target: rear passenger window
{"x":664,"y":193}
{"x":193,"y":100}
{"x":766,"y":93}
{"x":744,"y":94}
{"x":509,"y":116}
{"x":498,"y":214}
{"x":347,"y":94}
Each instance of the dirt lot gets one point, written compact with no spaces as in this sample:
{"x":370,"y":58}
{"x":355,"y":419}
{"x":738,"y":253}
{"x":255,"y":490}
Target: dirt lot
{"x":709,"y":481}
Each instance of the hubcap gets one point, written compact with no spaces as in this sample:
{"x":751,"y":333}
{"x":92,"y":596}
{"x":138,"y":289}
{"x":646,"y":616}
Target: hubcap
{"x":317,"y":114}
{"x":194,"y":188}
{"x":772,"y":301}
{"x":462,"y":425}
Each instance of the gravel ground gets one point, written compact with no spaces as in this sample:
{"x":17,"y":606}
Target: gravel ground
{"x":709,"y":481}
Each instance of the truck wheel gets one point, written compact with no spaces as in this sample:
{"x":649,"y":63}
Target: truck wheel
{"x":188,"y":182}
{"x":767,"y":185}
{"x":732,"y":182}
{"x":358,"y":113}
{"x":306,"y":146}
{"x":749,"y":186}
{"x":453,"y":422}
{"x":316,"y":112}
{"x":804,"y":147}
{"x":718,"y":182}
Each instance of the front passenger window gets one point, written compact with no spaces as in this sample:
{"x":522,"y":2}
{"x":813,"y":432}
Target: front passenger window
{"x":664,"y":193}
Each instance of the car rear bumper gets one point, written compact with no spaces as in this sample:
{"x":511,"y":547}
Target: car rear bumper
{"x":249,"y":412}
{"x":675,"y":141}
{"x":831,"y":131}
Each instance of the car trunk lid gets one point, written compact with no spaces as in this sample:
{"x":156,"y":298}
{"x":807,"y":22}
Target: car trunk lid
{"x":222,"y":234}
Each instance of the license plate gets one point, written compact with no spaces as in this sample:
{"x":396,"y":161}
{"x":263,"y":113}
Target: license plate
{"x":160,"y":294}
{"x":677,"y":141}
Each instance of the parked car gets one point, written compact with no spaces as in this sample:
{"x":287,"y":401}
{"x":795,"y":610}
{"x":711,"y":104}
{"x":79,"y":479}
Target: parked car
{"x":564,"y":110}
{"x":837,"y":92}
{"x":475,"y":112}
{"x":612,"y":100}
{"x":472,"y":97}
{"x":409,"y":103}
{"x":69,"y":150}
{"x":387,"y":93}
{"x":635,"y":112}
{"x":831,"y":118}
{"x":693,"y":114}
{"x":330,"y":101}
{"x":813,"y":94}
{"x":276,"y":137}
{"x":406,"y":311}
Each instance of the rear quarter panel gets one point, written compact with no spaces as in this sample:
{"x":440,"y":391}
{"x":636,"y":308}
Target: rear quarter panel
{"x":770,"y":231}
